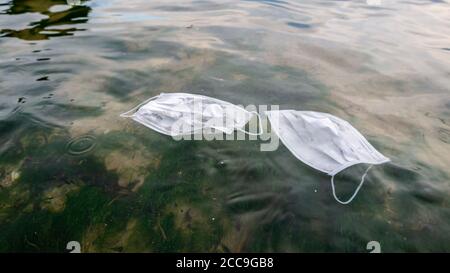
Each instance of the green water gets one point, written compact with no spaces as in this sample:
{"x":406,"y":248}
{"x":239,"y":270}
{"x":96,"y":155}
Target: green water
{"x":72,"y":170}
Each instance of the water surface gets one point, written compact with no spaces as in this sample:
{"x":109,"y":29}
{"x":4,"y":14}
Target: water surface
{"x":72,"y":170}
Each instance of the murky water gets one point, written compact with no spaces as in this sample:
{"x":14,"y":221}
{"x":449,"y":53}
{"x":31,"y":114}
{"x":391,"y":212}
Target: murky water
{"x":72,"y":170}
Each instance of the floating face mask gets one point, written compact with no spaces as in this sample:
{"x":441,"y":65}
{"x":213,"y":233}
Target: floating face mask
{"x":324,"y":142}
{"x":178,"y":114}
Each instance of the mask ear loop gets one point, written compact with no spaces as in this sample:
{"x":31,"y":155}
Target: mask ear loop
{"x":260,"y":126}
{"x":127,"y":113}
{"x":356,"y":191}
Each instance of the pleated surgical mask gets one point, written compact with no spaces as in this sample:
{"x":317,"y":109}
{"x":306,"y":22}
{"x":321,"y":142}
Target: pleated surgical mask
{"x":324,"y":142}
{"x":178,"y":114}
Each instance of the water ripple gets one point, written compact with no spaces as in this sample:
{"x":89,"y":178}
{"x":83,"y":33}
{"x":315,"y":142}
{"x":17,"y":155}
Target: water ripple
{"x":81,"y":145}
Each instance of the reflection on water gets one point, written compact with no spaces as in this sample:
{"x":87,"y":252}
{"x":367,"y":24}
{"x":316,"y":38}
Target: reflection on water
{"x":72,"y":170}
{"x":54,"y":13}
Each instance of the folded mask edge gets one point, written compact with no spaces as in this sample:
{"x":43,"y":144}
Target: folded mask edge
{"x":137,"y":107}
{"x":352,"y":163}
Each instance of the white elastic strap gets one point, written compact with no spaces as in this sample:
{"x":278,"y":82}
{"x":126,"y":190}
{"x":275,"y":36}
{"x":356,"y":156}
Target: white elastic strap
{"x":260,"y":126}
{"x":127,"y":113}
{"x":356,"y":191}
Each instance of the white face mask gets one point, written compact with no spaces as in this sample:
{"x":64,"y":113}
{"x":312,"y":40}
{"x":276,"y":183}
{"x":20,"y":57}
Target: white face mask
{"x":324,"y":142}
{"x":178,"y":114}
